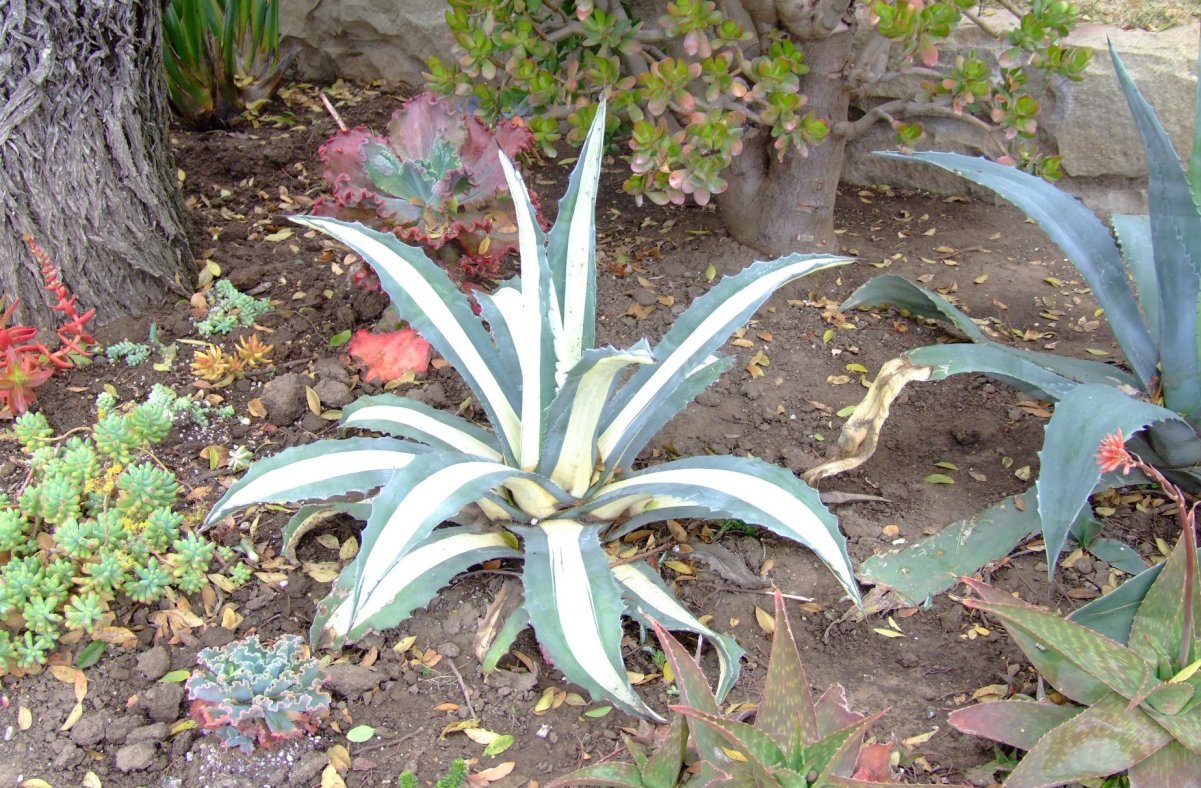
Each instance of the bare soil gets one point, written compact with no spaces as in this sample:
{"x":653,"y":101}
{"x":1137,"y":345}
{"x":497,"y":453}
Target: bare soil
{"x":242,"y":185}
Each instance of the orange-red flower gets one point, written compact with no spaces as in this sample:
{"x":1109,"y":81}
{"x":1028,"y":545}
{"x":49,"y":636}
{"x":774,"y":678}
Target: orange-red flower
{"x":1113,"y":455}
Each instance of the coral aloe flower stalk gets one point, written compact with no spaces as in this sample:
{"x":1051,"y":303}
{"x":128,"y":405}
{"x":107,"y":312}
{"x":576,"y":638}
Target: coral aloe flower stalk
{"x":1112,"y":454}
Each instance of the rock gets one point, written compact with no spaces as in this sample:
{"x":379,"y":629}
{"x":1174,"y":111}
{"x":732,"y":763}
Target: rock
{"x":137,"y":756}
{"x":333,"y":393}
{"x":118,"y":728}
{"x":644,"y":296}
{"x":162,"y":702}
{"x":308,"y":768}
{"x":351,"y":681}
{"x":215,"y":637}
{"x":89,"y":730}
{"x":155,"y":663}
{"x":330,"y":369}
{"x":313,"y":423}
{"x":284,"y":398}
{"x":68,"y":756}
{"x":155,"y":732}
{"x":364,"y":39}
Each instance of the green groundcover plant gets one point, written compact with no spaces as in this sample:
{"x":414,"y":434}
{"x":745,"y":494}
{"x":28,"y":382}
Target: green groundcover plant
{"x":1148,"y":288}
{"x":552,"y":481}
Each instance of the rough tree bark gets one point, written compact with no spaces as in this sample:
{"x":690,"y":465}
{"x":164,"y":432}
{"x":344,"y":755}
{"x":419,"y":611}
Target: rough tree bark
{"x":85,"y":166}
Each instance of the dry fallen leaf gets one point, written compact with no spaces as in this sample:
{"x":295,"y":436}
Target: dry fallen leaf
{"x":73,"y":717}
{"x":24,"y":718}
{"x":766,"y":622}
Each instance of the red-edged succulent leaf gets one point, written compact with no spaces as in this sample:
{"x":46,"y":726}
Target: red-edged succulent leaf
{"x":756,"y":751}
{"x":1049,"y":658}
{"x":786,"y":706}
{"x":1159,"y":624}
{"x":875,"y":763}
{"x":1018,"y":723}
{"x":1104,"y":739}
{"x":20,"y":373}
{"x":662,"y":769}
{"x":833,"y":712}
{"x":345,"y":167}
{"x":695,"y":692}
{"x":838,"y":753}
{"x":1172,"y":765}
{"x":392,"y":355}
{"x":617,"y":775}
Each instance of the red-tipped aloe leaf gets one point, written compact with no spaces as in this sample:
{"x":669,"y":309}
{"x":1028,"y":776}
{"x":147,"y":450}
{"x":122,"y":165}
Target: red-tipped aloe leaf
{"x":786,"y":706}
{"x":1173,"y":765}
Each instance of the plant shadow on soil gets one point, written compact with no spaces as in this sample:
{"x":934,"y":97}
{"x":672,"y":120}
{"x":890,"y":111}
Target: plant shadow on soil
{"x":241,"y":186}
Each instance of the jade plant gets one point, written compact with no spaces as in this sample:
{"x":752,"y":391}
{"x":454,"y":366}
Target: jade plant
{"x":1147,"y":282}
{"x":1135,"y":690}
{"x":434,"y":179}
{"x":251,"y":694}
{"x":793,"y":741}
{"x":96,"y":524}
{"x":551,"y":481}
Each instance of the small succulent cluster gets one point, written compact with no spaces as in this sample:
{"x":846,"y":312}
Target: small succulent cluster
{"x":248,"y":693}
{"x":455,"y":776}
{"x":182,"y":409}
{"x":220,"y":368}
{"x":132,"y":353}
{"x":230,"y":308}
{"x":96,"y":521}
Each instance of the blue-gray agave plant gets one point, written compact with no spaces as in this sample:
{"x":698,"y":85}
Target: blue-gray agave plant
{"x":1148,"y":288}
{"x":553,"y":476}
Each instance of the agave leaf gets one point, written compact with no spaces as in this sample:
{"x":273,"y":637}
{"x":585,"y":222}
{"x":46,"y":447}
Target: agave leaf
{"x":571,"y":246}
{"x":1111,"y":663}
{"x":1176,"y":236}
{"x":1015,"y":723}
{"x":1104,"y":739}
{"x":1068,"y":473}
{"x":1028,"y":368}
{"x":534,"y":334}
{"x":758,"y":749}
{"x":575,"y":606}
{"x":424,"y":295}
{"x":517,"y":621}
{"x":750,"y":490}
{"x":312,"y":516}
{"x":1173,"y":765}
{"x":499,"y":309}
{"x":407,"y":585}
{"x":786,"y":706}
{"x":1134,"y":234}
{"x":569,"y":456}
{"x":403,"y":417}
{"x":318,"y":470}
{"x":1079,"y":233}
{"x":695,"y":336}
{"x":654,"y":601}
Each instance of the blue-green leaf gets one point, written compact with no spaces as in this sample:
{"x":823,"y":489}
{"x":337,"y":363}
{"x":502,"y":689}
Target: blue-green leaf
{"x":746,"y":489}
{"x":1069,"y":470}
{"x":1134,"y":234}
{"x":1078,"y":232}
{"x":1176,"y":237}
{"x":403,"y":417}
{"x":318,"y":470}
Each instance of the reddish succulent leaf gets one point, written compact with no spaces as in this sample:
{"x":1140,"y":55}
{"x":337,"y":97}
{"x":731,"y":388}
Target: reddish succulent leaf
{"x":392,"y":355}
{"x":1173,"y":765}
{"x":873,"y":764}
{"x":786,"y":707}
{"x":1018,"y":723}
{"x":833,"y":712}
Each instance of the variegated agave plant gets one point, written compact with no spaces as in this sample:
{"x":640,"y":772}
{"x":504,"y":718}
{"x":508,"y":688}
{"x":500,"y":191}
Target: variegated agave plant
{"x":552,"y":481}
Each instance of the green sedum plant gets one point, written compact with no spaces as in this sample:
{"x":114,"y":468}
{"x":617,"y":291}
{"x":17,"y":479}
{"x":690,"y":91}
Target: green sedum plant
{"x":793,"y":741}
{"x":230,"y":308}
{"x":221,"y":57}
{"x":1148,"y":288}
{"x":552,"y":481}
{"x":1135,"y":690}
{"x":434,"y":179}
{"x":250,"y":694}
{"x":93,"y":525}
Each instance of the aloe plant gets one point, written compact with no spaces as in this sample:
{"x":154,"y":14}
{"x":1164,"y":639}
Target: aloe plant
{"x":434,"y":179}
{"x":1139,"y":692}
{"x":221,"y":57}
{"x":1148,"y":288}
{"x":552,"y":480}
{"x":794,"y":740}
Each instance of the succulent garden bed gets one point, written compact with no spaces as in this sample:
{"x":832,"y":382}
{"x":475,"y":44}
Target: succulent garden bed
{"x":948,"y":451}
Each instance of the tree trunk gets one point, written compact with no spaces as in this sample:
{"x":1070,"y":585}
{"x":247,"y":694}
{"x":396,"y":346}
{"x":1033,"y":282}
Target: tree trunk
{"x":85,"y":166}
{"x":788,"y":206}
